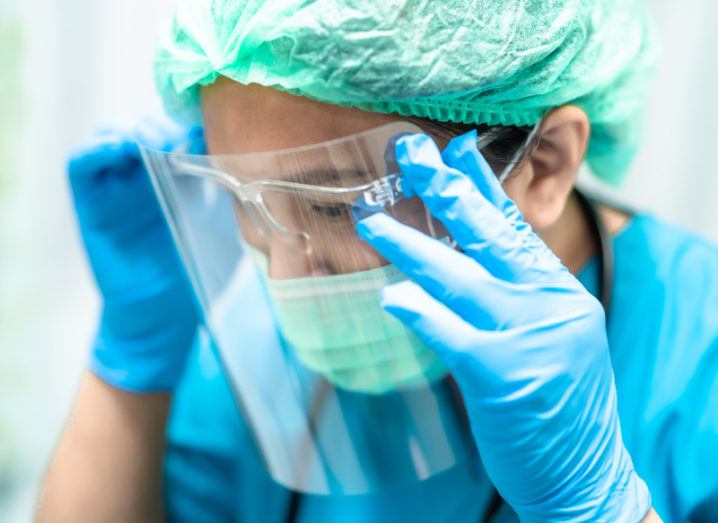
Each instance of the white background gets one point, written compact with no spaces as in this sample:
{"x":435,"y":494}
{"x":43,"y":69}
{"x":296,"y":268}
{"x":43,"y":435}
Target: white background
{"x":87,"y":62}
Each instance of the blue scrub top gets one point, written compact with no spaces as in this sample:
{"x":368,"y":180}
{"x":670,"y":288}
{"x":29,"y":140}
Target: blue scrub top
{"x":663,"y":334}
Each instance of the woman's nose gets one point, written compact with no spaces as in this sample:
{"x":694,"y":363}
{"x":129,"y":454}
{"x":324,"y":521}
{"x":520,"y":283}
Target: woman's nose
{"x":295,"y":257}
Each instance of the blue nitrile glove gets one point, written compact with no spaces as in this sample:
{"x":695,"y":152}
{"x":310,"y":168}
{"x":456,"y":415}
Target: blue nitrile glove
{"x":524,"y":340}
{"x":149,"y":317}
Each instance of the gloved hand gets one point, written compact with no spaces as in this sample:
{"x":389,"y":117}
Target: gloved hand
{"x":525,"y":342}
{"x":149,"y":316}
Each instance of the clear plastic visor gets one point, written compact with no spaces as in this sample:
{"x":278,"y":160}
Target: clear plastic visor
{"x":300,"y":207}
{"x":339,"y":396}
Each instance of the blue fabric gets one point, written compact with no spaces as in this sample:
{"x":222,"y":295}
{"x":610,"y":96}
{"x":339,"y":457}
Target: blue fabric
{"x":663,"y":333}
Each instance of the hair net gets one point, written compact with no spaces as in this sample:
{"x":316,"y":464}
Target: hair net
{"x":471,"y":61}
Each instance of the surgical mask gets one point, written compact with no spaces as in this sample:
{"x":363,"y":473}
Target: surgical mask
{"x":338,"y":329}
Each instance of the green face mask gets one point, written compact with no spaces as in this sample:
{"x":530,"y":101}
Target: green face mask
{"x":338,"y":329}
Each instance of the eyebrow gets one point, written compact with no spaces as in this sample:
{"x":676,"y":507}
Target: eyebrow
{"x":331,"y":177}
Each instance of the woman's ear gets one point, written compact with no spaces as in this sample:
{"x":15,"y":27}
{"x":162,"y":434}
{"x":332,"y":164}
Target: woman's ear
{"x":544,"y":181}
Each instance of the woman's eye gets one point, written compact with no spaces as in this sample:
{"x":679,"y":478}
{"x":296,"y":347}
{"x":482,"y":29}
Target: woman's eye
{"x":331,"y":211}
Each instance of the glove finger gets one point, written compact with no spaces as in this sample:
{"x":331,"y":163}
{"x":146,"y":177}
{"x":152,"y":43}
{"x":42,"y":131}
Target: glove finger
{"x":463,"y":155}
{"x":482,"y":230}
{"x":89,"y":162}
{"x":110,"y":187}
{"x":196,"y":144}
{"x":449,"y":276}
{"x":437,"y":326}
{"x":482,"y":361}
{"x":115,"y":147}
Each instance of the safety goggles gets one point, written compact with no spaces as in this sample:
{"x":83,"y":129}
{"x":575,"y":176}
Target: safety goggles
{"x":336,"y":199}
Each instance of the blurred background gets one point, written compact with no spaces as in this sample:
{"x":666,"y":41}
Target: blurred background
{"x":71,"y":65}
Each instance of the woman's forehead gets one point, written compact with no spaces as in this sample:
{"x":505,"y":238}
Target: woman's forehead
{"x":254,"y":118}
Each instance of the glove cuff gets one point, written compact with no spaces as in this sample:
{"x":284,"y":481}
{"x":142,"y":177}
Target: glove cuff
{"x":152,"y":364}
{"x":618,"y":496}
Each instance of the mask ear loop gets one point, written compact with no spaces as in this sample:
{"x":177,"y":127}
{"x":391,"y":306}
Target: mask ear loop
{"x":519,"y":155}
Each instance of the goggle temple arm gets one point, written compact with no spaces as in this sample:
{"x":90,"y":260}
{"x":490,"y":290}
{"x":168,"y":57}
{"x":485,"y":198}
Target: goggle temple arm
{"x":519,"y":155}
{"x":387,"y":191}
{"x":382,"y":193}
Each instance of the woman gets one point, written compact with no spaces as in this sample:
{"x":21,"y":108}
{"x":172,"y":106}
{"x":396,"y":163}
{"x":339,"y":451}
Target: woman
{"x":523,"y":340}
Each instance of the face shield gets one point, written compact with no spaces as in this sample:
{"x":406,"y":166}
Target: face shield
{"x":339,"y":396}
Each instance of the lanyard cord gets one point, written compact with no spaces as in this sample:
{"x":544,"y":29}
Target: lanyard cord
{"x":605,"y":288}
{"x":604,"y":242}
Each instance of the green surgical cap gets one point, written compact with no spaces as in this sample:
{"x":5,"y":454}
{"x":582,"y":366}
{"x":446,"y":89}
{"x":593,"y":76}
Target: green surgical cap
{"x":470,"y":61}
